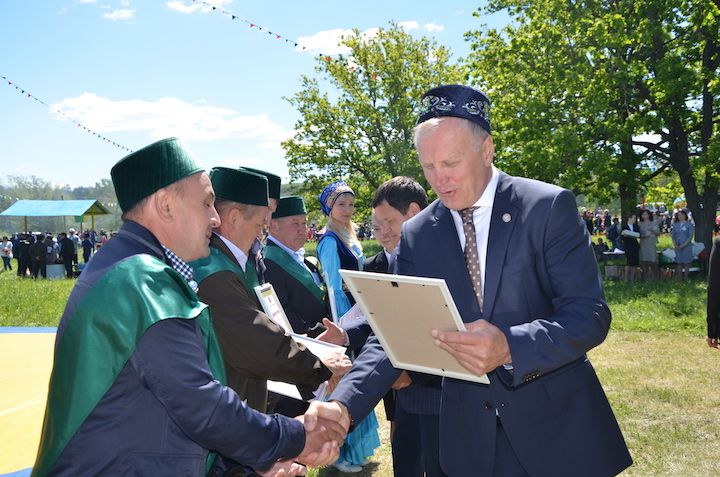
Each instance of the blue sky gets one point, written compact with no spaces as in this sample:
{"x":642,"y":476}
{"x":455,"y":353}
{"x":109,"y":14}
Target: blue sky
{"x":138,"y":71}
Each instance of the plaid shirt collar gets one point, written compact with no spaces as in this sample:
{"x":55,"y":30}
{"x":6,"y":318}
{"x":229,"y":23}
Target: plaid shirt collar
{"x":181,"y":267}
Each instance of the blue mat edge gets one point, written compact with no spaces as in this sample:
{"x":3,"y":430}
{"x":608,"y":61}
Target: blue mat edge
{"x":27,"y":329}
{"x":19,"y":473}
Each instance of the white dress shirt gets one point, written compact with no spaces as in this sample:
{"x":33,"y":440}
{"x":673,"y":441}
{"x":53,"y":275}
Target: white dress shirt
{"x":239,"y":255}
{"x":481,"y":219}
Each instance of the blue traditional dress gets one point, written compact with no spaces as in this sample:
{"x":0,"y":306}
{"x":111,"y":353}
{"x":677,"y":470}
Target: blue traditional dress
{"x":334,"y":255}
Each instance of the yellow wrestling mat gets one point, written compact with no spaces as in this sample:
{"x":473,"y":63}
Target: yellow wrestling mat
{"x":26,"y":357}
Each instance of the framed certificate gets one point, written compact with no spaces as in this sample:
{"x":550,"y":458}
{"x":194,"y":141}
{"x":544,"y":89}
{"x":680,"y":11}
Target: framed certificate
{"x":402,"y":311}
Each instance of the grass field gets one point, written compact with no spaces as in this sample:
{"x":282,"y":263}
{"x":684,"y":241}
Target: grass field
{"x":658,"y":373}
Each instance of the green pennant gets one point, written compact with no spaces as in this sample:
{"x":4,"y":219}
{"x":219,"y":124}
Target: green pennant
{"x":94,"y":349}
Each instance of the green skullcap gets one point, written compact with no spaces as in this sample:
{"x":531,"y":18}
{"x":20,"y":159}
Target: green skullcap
{"x":289,"y":206}
{"x":273,"y":182}
{"x":153,"y":167}
{"x":239,"y":185}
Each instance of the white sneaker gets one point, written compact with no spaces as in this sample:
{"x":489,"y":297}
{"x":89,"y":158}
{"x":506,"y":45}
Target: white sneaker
{"x":346,"y":467}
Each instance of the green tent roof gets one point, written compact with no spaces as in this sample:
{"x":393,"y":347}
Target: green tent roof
{"x":55,"y":208}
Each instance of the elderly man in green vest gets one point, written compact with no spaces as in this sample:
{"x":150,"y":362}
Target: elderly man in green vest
{"x":254,"y":348}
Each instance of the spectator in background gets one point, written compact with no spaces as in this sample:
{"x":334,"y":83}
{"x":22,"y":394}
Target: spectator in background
{"x":629,"y":234}
{"x":38,"y":257}
{"x":23,"y":255}
{"x":649,"y":230}
{"x":67,"y":253}
{"x":6,"y":249}
{"x":713,"y":297}
{"x":600,"y":248}
{"x":607,"y":220}
{"x":50,"y":251}
{"x":588,"y":219}
{"x":613,"y":234}
{"x":77,"y":242}
{"x":682,"y":234}
{"x":87,"y":246}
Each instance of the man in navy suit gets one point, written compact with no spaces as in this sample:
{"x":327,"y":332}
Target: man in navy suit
{"x":532,"y":301}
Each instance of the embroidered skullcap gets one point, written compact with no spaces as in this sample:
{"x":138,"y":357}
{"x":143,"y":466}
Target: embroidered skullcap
{"x":153,"y":167}
{"x":272,"y":179}
{"x":331,"y":193}
{"x":289,"y":206}
{"x":458,"y":101}
{"x":239,"y":185}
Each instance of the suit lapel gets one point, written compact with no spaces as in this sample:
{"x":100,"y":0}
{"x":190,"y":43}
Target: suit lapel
{"x":383,"y":262}
{"x":504,"y":216}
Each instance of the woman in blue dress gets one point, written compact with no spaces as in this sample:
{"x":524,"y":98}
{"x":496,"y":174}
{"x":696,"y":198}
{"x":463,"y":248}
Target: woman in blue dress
{"x":339,"y":248}
{"x":682,"y":234}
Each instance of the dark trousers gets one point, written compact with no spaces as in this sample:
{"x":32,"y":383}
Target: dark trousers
{"x":6,"y":263}
{"x":86,"y":256}
{"x":39,"y":267}
{"x":506,"y":461}
{"x":22,"y":267}
{"x":416,"y":444}
{"x":68,"y":267}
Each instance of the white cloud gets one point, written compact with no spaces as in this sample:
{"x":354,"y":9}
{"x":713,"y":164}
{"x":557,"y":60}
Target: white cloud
{"x":125,"y":3}
{"x":409,"y":25}
{"x":191,"y":7}
{"x":87,"y":1}
{"x":169,"y":116}
{"x":327,"y":42}
{"x":120,"y":14}
{"x":432,"y":27}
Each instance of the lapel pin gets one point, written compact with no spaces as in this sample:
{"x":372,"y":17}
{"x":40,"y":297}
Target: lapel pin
{"x":506,"y":218}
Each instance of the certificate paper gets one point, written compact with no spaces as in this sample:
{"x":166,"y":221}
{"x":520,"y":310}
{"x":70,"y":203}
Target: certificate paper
{"x":402,"y":311}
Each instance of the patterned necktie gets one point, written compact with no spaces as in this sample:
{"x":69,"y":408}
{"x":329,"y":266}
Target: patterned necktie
{"x":472,"y":259}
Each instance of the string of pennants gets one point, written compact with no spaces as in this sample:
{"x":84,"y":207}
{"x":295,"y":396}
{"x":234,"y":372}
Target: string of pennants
{"x":25,"y":92}
{"x":216,"y":9}
{"x":271,"y":34}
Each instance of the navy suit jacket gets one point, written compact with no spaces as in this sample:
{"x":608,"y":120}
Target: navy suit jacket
{"x":543,"y":290}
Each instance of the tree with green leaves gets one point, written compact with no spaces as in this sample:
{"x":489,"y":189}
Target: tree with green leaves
{"x":357,"y":115}
{"x":603,"y":96}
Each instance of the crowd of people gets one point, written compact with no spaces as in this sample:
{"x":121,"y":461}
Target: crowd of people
{"x":164,"y":351}
{"x":34,"y":251}
{"x":636,"y":238}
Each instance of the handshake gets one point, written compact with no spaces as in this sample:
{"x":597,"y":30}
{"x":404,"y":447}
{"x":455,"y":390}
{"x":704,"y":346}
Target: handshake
{"x":326,"y":425}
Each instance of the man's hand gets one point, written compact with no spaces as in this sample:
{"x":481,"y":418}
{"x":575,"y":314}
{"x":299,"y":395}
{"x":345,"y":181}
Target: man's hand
{"x":333,"y":334}
{"x":285,"y":468}
{"x":402,"y":381}
{"x":326,"y":425}
{"x":338,"y":363}
{"x":714,"y":343}
{"x":480,"y":349}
